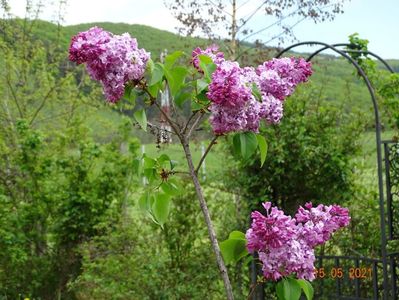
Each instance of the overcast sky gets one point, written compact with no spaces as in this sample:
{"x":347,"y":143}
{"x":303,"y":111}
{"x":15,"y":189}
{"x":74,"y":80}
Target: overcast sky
{"x":375,"y":20}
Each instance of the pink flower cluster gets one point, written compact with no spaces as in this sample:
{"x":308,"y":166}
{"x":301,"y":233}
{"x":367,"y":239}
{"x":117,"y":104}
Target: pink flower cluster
{"x":234,"y":106}
{"x":286,"y":245}
{"x":111,"y":59}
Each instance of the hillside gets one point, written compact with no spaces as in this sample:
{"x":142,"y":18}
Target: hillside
{"x":334,"y":75}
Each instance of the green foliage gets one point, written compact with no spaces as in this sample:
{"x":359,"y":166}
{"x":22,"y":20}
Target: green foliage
{"x":246,"y":143}
{"x":310,"y":155}
{"x":234,"y":248}
{"x":291,"y":289}
{"x":385,"y":84}
{"x":136,"y":259}
{"x":57,"y":182}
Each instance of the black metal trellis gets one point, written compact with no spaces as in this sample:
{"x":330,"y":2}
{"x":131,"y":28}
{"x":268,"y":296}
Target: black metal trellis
{"x":383,"y":282}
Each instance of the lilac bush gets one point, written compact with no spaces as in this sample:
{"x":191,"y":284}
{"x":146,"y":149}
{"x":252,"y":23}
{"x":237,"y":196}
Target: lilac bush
{"x":286,"y":245}
{"x":237,"y":100}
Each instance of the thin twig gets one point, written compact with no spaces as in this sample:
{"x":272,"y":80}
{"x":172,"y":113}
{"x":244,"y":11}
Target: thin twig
{"x":159,"y":128}
{"x":206,"y":153}
{"x":171,"y":123}
{"x":47,"y":96}
{"x":195,"y":123}
{"x":14,"y":97}
{"x":189,"y":120}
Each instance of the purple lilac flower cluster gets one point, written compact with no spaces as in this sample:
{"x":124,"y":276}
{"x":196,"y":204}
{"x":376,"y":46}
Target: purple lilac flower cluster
{"x":111,"y":59}
{"x":286,"y":245}
{"x":234,"y":107}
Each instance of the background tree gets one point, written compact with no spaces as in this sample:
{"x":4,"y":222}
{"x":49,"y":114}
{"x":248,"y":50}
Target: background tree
{"x":210,"y":17}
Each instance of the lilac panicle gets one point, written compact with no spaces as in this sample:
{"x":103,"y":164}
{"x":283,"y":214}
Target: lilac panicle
{"x":280,"y":76}
{"x":235,"y":108}
{"x":318,"y":223}
{"x":111,"y":59}
{"x":286,"y":245}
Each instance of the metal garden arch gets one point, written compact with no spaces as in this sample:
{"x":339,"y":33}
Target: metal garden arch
{"x":385,"y":288}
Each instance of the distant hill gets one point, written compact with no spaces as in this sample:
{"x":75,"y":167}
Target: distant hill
{"x":334,"y":75}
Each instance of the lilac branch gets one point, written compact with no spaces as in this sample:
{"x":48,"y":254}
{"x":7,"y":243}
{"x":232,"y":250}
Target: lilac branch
{"x":213,"y":142}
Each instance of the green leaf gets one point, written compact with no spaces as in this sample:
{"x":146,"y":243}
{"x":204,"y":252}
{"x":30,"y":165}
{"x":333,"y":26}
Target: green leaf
{"x":176,"y":79}
{"x":157,"y":74}
{"x":262,"y":144}
{"x":173,"y":164}
{"x":170,"y":188}
{"x":196,"y":106}
{"x":155,"y":88}
{"x":307,"y":288}
{"x":233,"y":250}
{"x":149,"y":162}
{"x":201,"y":85}
{"x":172,"y":58}
{"x":205,"y":59}
{"x":181,"y":97}
{"x":130,"y":95}
{"x":161,"y":208}
{"x":248,"y":144}
{"x":145,"y":202}
{"x":163,"y":159}
{"x":245,"y":143}
{"x":292,"y":289}
{"x":237,"y":235}
{"x":150,"y":174}
{"x":150,"y":66}
{"x":280,"y":290}
{"x":256,"y":92}
{"x":206,"y":64}
{"x":141,"y":118}
{"x":202,"y":98}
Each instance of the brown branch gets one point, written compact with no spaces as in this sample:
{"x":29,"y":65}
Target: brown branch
{"x":208,"y":221}
{"x":195,"y":123}
{"x":213,"y":142}
{"x":189,"y":120}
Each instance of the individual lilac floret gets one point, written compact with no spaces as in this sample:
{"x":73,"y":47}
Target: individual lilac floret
{"x":111,"y":59}
{"x":229,"y":86}
{"x":286,"y":245}
{"x":212,"y":51}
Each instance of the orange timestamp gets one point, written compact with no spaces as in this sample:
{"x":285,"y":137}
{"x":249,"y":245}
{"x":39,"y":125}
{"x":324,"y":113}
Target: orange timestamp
{"x":337,"y":272}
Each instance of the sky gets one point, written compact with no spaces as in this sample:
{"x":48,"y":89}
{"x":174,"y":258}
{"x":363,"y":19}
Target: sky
{"x":375,"y":20}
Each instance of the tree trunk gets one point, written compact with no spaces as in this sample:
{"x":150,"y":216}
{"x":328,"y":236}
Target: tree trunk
{"x":211,"y":230}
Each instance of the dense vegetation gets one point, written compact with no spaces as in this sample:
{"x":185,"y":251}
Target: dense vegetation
{"x":70,"y":227}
